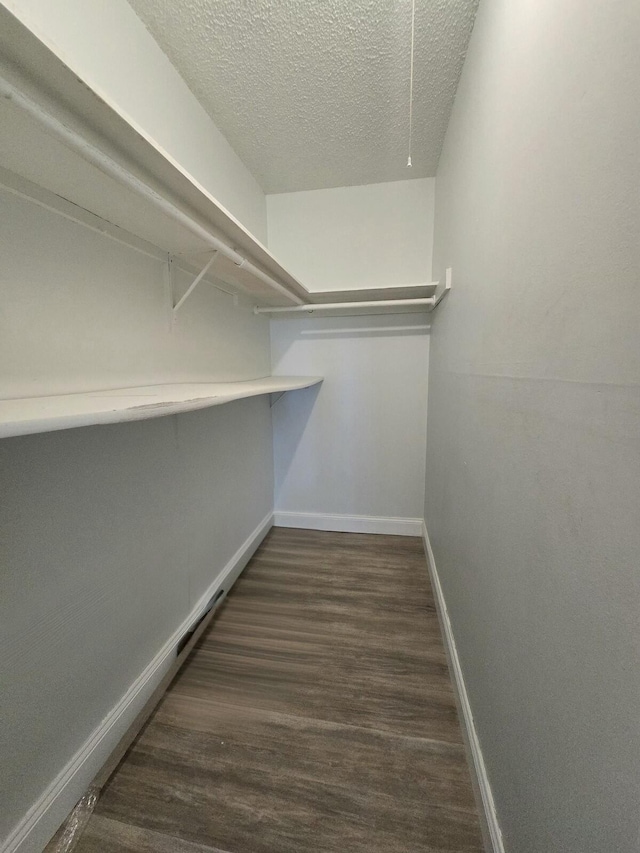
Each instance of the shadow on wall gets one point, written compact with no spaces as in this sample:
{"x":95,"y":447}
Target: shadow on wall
{"x":298,"y":333}
{"x":361,"y":450}
{"x":296,"y":410}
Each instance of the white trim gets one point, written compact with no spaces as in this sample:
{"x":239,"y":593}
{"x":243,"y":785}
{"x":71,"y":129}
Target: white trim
{"x":47,"y":813}
{"x":492,"y":827}
{"x":349,"y":523}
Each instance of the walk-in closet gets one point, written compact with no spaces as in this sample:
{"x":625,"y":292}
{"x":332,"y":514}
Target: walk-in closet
{"x":319,"y":426}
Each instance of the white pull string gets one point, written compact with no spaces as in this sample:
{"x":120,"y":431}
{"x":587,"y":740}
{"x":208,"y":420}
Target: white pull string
{"x":413,"y":25}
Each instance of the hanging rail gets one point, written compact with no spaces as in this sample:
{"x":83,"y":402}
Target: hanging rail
{"x":428,"y":301}
{"x":111,"y":167}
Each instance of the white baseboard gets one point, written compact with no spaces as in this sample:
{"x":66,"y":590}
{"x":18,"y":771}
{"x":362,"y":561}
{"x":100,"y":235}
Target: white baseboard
{"x":349,"y":523}
{"x":491,"y":827}
{"x":36,"y":828}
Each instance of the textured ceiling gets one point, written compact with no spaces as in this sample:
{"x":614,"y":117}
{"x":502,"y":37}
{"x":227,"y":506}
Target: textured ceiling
{"x":314,"y":93}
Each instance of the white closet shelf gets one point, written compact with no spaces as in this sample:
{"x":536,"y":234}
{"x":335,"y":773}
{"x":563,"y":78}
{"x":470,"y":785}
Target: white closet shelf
{"x":28,"y":415}
{"x":63,"y":135}
{"x":67,"y":147}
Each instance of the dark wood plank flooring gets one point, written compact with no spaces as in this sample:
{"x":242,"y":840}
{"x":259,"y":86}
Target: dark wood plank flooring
{"x":316,"y":715}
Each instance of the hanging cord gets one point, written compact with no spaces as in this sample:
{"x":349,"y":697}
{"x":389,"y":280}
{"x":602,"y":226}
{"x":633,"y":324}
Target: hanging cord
{"x":413,"y":24}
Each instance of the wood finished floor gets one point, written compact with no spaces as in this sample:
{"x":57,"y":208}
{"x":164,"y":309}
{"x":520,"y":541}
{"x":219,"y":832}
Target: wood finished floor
{"x":315,"y":716}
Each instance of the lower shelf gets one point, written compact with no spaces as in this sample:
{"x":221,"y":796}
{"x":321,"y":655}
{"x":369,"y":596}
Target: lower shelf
{"x":25,"y":416}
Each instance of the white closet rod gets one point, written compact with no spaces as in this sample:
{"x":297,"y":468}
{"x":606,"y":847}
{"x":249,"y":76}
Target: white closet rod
{"x":429,"y":301}
{"x":21,"y":188}
{"x":112,"y":168}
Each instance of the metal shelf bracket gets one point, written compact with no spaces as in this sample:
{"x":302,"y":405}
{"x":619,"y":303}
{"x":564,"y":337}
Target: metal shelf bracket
{"x":176,"y":306}
{"x":273,"y":398}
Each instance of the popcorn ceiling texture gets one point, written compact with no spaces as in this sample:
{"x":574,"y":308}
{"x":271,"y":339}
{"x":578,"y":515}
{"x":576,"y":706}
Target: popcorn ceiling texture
{"x":314,"y":93}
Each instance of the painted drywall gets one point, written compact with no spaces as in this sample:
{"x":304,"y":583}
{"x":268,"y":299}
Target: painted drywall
{"x":81,"y":311}
{"x":355,"y":445}
{"x":108,"y":46}
{"x":533,"y":462}
{"x":109,"y":535}
{"x":377,"y":235}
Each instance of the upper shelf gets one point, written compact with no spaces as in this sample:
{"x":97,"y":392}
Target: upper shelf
{"x":70,"y":148}
{"x":28,"y":415}
{"x":60,"y":134}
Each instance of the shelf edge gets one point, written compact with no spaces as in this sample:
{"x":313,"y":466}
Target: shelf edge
{"x":35,"y":422}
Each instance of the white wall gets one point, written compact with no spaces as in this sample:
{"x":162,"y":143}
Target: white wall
{"x":356,"y":446}
{"x":376,"y":235}
{"x":533,"y":472}
{"x":353,"y":451}
{"x":108,"y":46}
{"x":80,"y":311}
{"x":108,"y":535}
